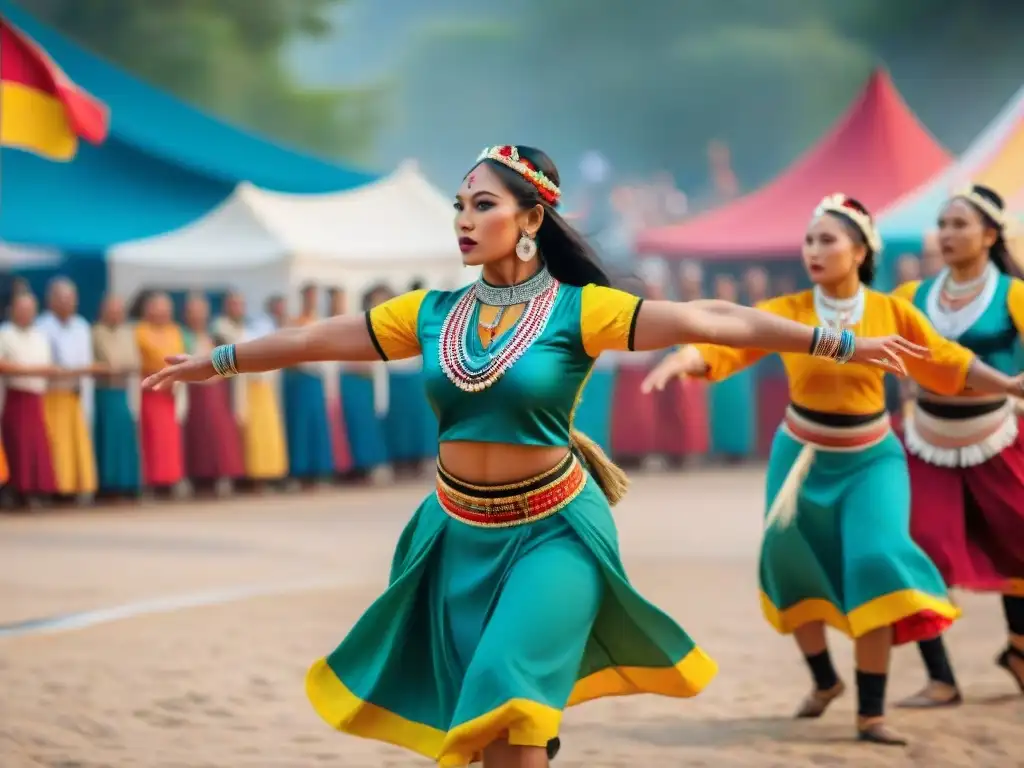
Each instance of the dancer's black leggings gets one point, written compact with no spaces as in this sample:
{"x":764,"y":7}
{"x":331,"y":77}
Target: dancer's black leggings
{"x":933,"y":652}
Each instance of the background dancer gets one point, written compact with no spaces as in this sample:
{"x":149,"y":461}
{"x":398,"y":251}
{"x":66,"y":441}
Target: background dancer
{"x":464,"y":654}
{"x":837,"y":472}
{"x":966,"y":454}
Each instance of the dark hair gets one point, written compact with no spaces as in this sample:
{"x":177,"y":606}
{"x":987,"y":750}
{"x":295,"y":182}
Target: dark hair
{"x":999,"y":253}
{"x":568,"y":256}
{"x":866,"y":271}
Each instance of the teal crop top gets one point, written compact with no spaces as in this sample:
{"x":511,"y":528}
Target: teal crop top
{"x":995,"y":335}
{"x":532,"y":402}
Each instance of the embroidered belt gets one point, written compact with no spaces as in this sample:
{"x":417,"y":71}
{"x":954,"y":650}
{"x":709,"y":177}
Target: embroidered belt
{"x":820,"y":432}
{"x":960,"y":435}
{"x":835,"y":432}
{"x":503,"y":506}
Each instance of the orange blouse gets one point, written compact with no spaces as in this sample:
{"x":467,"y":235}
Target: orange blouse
{"x":157,"y":342}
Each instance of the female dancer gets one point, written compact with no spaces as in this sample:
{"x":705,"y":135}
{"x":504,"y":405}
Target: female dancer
{"x":839,"y":474}
{"x":966,"y":454}
{"x":464,"y":655}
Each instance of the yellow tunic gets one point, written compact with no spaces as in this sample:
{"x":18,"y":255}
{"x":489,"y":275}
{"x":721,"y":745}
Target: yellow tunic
{"x":819,"y":384}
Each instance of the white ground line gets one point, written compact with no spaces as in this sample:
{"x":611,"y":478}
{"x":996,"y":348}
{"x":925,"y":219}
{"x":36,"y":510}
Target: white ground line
{"x":80,"y":620}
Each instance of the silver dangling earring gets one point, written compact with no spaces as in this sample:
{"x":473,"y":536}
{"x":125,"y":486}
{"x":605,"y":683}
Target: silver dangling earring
{"x":526,"y":248}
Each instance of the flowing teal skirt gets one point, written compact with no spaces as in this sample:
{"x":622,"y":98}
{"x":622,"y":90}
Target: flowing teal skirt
{"x":410,"y":427}
{"x":734,"y":415}
{"x":310,"y":454}
{"x":116,"y":442}
{"x":491,"y":631}
{"x":365,"y":428}
{"x":593,"y":416}
{"x":848,"y":559}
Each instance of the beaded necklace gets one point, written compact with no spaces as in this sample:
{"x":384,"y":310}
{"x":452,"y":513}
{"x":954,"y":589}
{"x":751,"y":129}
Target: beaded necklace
{"x":473,"y":373}
{"x":839,"y":313}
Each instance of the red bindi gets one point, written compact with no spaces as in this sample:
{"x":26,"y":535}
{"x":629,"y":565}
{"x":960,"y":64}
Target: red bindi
{"x":472,"y":178}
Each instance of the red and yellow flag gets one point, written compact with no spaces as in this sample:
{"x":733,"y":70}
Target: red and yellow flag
{"x":41,"y":110}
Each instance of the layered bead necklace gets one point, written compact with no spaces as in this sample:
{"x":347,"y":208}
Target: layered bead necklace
{"x":955,"y":295}
{"x":839,"y":313}
{"x":475,"y":372}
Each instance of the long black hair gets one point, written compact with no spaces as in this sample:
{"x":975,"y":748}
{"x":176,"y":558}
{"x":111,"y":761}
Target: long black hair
{"x":998,"y":253}
{"x":567,"y":255}
{"x":866,"y":271}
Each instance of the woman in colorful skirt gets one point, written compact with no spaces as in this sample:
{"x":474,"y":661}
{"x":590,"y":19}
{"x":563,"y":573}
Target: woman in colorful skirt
{"x":212,"y":441}
{"x":337,"y":304}
{"x":837,"y":549}
{"x":115,"y":427}
{"x":26,"y":362}
{"x":463,"y":656}
{"x":966,"y":454}
{"x":160,"y":412}
{"x":257,"y":402}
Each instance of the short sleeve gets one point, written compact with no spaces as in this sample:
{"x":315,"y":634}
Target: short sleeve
{"x":945,"y":371}
{"x":1015,"y":304}
{"x":608,"y":319}
{"x":392,"y":326}
{"x":907,"y":291}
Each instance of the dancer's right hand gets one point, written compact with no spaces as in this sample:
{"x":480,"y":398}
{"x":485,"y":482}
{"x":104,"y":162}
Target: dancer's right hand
{"x":688,"y":361}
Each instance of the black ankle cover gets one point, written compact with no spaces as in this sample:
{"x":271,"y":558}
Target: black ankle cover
{"x":936,"y":661}
{"x":870,"y":694}
{"x":1013,"y":607}
{"x":825,"y":677}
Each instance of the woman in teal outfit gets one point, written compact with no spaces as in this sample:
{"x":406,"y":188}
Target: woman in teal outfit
{"x":733,"y":413}
{"x":837,"y":549}
{"x":507,"y":599}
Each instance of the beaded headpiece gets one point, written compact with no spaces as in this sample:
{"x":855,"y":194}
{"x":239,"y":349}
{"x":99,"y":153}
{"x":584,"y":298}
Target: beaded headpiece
{"x":508,"y":156}
{"x":983,"y":204}
{"x":844,"y":206}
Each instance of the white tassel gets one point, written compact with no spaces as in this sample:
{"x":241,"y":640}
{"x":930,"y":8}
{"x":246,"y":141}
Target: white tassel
{"x":784,"y":507}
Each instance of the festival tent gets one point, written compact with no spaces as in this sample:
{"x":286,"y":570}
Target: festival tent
{"x":876,"y":152}
{"x":995,"y":158}
{"x":393,"y":230}
{"x":163,"y":164}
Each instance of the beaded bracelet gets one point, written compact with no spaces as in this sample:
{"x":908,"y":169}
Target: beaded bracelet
{"x":833,"y":344}
{"x":224,"y":361}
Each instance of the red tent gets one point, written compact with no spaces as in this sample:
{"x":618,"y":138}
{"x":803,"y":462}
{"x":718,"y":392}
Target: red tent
{"x":877,"y":152}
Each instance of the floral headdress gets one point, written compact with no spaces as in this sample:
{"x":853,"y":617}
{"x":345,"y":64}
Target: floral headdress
{"x":844,"y":206}
{"x":509,"y":156}
{"x":983,"y":204}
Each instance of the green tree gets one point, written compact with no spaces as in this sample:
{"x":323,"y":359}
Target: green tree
{"x":225,"y":57}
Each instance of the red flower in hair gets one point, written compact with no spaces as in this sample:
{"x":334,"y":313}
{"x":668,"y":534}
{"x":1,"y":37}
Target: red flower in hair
{"x":505,"y":151}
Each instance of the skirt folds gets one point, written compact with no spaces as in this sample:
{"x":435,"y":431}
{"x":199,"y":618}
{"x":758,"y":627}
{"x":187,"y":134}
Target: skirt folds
{"x":116,"y":438}
{"x":848,"y":558}
{"x":464,"y":647}
{"x":970,"y":520}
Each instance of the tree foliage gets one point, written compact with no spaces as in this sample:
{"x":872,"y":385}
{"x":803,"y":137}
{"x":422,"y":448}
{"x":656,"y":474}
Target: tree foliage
{"x":224,"y":56}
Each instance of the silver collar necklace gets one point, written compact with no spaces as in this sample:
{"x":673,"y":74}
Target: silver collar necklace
{"x":510,"y":295}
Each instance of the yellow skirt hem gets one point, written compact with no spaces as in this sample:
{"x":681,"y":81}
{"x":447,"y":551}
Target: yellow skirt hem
{"x":880,"y":612}
{"x":522,"y":721}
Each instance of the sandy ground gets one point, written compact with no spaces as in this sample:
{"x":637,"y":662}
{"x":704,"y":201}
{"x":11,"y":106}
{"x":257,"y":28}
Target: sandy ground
{"x":221,"y":686}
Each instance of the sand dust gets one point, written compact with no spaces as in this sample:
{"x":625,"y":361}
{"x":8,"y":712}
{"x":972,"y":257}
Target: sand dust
{"x":221,"y":686}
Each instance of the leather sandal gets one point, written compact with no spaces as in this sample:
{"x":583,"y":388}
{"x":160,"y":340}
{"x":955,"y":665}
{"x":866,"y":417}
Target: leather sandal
{"x":1005,"y":660}
{"x":817,"y":701}
{"x":935,"y":695}
{"x":877,"y":732}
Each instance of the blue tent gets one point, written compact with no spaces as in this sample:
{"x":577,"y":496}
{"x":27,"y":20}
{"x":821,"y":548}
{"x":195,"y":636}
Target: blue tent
{"x":164,"y":164}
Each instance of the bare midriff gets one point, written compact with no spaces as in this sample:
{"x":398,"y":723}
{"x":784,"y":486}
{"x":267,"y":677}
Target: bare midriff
{"x":497,"y":463}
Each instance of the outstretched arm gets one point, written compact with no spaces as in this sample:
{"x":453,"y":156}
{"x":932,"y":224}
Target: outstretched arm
{"x":664,"y":323}
{"x":951,"y":368}
{"x":386,"y":332}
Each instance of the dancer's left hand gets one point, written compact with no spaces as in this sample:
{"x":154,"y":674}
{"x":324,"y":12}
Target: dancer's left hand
{"x":887,"y":353}
{"x":190,"y":369}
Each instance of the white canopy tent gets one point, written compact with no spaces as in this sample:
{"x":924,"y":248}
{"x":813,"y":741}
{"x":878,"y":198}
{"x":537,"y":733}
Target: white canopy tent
{"x":15,"y":256}
{"x":394,"y":230}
